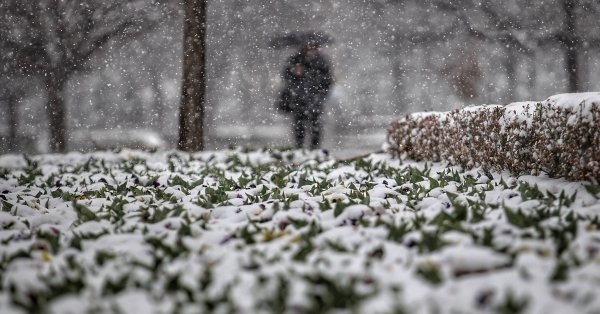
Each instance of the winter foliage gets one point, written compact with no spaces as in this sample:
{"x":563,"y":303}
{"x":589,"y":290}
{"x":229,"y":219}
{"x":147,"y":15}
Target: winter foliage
{"x":290,"y":232}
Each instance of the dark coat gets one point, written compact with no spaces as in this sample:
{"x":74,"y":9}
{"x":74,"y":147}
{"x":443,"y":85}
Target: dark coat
{"x":307,"y":80}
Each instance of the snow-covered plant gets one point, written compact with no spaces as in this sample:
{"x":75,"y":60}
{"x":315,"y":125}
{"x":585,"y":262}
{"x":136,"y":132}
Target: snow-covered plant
{"x":559,"y":136}
{"x":290,"y":232}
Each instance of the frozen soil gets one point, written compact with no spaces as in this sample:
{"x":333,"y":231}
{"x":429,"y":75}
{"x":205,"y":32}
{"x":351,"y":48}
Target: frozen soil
{"x":290,"y":232}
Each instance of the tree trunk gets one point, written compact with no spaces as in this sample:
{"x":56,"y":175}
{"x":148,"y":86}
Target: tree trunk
{"x":398,"y":76}
{"x":12,"y":122}
{"x":532,"y":77}
{"x":572,"y":68}
{"x":570,"y":42}
{"x":55,"y":110}
{"x":158,"y":101}
{"x":510,"y":64}
{"x":191,"y":110}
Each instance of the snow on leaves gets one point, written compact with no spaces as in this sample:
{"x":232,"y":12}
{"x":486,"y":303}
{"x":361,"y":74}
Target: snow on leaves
{"x":290,"y":231}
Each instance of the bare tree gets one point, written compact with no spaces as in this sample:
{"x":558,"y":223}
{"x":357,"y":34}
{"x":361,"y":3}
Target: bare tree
{"x":578,"y":16}
{"x":464,"y":74}
{"x":492,"y":23}
{"x":402,"y":38}
{"x":191,"y":111}
{"x":54,"y":39}
{"x":520,"y":28}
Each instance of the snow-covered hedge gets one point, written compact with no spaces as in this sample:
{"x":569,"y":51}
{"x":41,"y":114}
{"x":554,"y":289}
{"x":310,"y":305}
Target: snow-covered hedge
{"x":559,"y":136}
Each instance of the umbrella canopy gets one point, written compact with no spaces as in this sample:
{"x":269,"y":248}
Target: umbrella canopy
{"x":298,"y":39}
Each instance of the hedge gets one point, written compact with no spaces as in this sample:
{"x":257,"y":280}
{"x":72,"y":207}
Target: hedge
{"x":559,"y":136}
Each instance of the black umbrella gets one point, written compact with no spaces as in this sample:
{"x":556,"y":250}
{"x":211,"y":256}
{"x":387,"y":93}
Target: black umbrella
{"x":299,"y":39}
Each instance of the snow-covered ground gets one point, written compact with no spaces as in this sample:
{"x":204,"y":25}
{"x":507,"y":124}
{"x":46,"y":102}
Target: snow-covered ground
{"x":290,"y":232}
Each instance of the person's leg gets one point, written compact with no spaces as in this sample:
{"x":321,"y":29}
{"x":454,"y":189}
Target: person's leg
{"x":298,"y":126}
{"x":316,"y":128}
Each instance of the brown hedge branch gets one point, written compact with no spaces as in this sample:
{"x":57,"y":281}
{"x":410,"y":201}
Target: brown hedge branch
{"x":559,"y":136}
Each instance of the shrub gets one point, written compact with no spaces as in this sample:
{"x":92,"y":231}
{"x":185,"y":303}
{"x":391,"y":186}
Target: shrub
{"x":559,"y":136}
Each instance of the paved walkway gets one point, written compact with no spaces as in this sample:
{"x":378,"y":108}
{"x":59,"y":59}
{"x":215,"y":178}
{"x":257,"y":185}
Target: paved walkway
{"x":340,"y":145}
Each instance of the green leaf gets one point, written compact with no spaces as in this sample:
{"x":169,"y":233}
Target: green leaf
{"x":83,"y":213}
{"x":430,"y":273}
{"x":178,"y":181}
{"x":593,"y":189}
{"x":433,"y":183}
{"x":560,"y":272}
{"x":339,"y":208}
{"x":6,"y":206}
{"x":431,"y":241}
{"x":397,"y":232}
{"x":512,"y":304}
{"x":518,"y":218}
{"x":305,"y":249}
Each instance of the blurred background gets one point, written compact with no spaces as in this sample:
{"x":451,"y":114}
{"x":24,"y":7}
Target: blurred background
{"x":116,"y":66}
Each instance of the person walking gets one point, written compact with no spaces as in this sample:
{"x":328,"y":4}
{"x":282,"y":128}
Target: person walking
{"x":308,"y":78}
